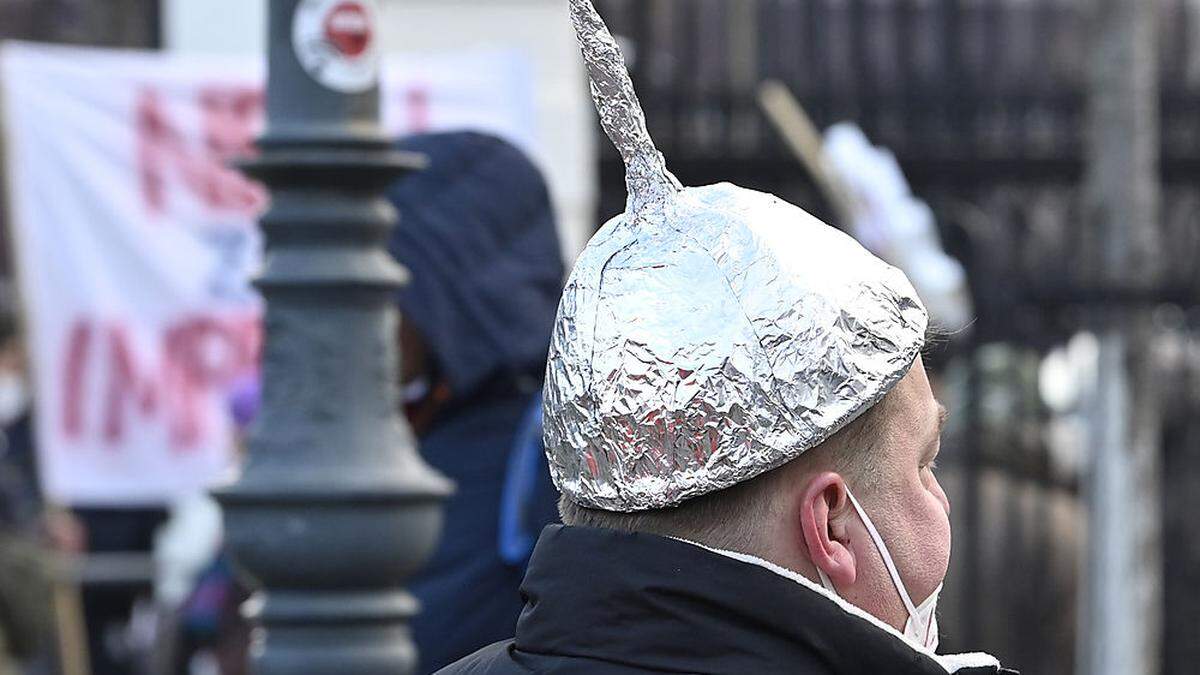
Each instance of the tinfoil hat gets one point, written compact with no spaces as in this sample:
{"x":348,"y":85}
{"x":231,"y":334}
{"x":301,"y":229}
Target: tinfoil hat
{"x":710,"y":334}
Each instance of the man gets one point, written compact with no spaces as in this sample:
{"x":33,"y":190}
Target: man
{"x":739,"y":420}
{"x":26,"y":616}
{"x":478,"y":234}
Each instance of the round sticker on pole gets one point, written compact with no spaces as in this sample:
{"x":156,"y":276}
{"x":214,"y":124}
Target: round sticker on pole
{"x":335,"y":41}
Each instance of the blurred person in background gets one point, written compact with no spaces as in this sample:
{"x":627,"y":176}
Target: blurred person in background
{"x":478,"y":234}
{"x":109,"y":607}
{"x":202,"y":591}
{"x":30,"y":530}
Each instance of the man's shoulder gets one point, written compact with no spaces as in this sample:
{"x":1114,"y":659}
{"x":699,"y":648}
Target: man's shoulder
{"x":493,"y":659}
{"x":503,"y":658}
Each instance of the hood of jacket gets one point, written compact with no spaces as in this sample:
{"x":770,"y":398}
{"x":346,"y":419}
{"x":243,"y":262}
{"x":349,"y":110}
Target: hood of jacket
{"x":477,"y":232}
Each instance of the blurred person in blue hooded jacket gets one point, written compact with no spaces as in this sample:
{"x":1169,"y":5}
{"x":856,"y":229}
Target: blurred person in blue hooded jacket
{"x":478,"y":234}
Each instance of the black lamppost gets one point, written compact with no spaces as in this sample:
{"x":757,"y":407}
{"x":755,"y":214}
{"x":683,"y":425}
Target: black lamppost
{"x":335,"y":508}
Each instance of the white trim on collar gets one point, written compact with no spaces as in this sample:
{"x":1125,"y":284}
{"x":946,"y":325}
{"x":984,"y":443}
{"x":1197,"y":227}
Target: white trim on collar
{"x":951,"y":662}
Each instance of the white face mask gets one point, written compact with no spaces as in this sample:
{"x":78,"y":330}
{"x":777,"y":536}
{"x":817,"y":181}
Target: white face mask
{"x":921,"y":628}
{"x":14,"y":398}
{"x":414,"y":391}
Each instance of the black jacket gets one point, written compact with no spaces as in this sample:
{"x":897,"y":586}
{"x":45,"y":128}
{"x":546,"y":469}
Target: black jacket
{"x":600,"y":601}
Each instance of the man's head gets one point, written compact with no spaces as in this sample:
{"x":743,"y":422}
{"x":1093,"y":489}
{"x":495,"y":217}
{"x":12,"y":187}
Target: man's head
{"x":800,"y":516}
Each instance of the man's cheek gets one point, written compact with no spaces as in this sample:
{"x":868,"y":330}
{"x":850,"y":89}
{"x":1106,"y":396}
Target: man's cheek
{"x":942,"y":538}
{"x":935,"y":532}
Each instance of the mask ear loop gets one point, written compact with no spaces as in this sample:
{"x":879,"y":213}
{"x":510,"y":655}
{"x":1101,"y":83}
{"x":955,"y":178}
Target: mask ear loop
{"x":887,"y":557}
{"x":827,"y":582}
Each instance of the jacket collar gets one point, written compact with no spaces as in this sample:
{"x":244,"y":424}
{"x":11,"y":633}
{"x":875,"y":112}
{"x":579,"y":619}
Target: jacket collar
{"x":657,"y":603}
{"x":950,"y":662}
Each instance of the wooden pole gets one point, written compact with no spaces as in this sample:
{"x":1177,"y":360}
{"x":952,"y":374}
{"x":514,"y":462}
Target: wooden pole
{"x":804,"y":140}
{"x":71,"y":633}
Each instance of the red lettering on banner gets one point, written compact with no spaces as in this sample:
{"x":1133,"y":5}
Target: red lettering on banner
{"x":78,"y":343}
{"x":200,"y":355}
{"x":229,"y":118}
{"x":418,"y":109}
{"x":126,"y":383}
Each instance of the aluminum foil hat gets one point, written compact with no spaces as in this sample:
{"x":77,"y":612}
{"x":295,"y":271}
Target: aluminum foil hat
{"x":710,"y":334}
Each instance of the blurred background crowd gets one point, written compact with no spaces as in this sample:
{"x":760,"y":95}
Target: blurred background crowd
{"x":958,"y":139}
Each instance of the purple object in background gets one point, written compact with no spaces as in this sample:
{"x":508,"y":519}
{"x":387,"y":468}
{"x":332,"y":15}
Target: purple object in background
{"x":245,"y":398}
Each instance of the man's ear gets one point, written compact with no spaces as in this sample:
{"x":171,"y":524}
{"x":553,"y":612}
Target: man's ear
{"x":824,"y":508}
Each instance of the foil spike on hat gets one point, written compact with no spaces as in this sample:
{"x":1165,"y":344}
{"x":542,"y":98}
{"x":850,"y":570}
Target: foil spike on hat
{"x":621,"y":115}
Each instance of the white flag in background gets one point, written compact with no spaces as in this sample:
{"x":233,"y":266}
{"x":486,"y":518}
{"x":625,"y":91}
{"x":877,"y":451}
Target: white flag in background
{"x":135,"y":241}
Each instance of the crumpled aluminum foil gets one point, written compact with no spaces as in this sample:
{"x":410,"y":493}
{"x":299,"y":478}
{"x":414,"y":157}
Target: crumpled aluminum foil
{"x":708,"y":335}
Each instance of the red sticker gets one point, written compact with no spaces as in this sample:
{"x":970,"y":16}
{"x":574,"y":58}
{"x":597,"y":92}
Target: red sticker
{"x":335,"y":42}
{"x":348,"y":28}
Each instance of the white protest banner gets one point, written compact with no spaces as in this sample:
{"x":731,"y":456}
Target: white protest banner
{"x":135,"y":241}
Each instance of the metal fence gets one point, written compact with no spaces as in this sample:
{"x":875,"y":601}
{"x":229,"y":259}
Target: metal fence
{"x":933,"y":79}
{"x":983,"y":102}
